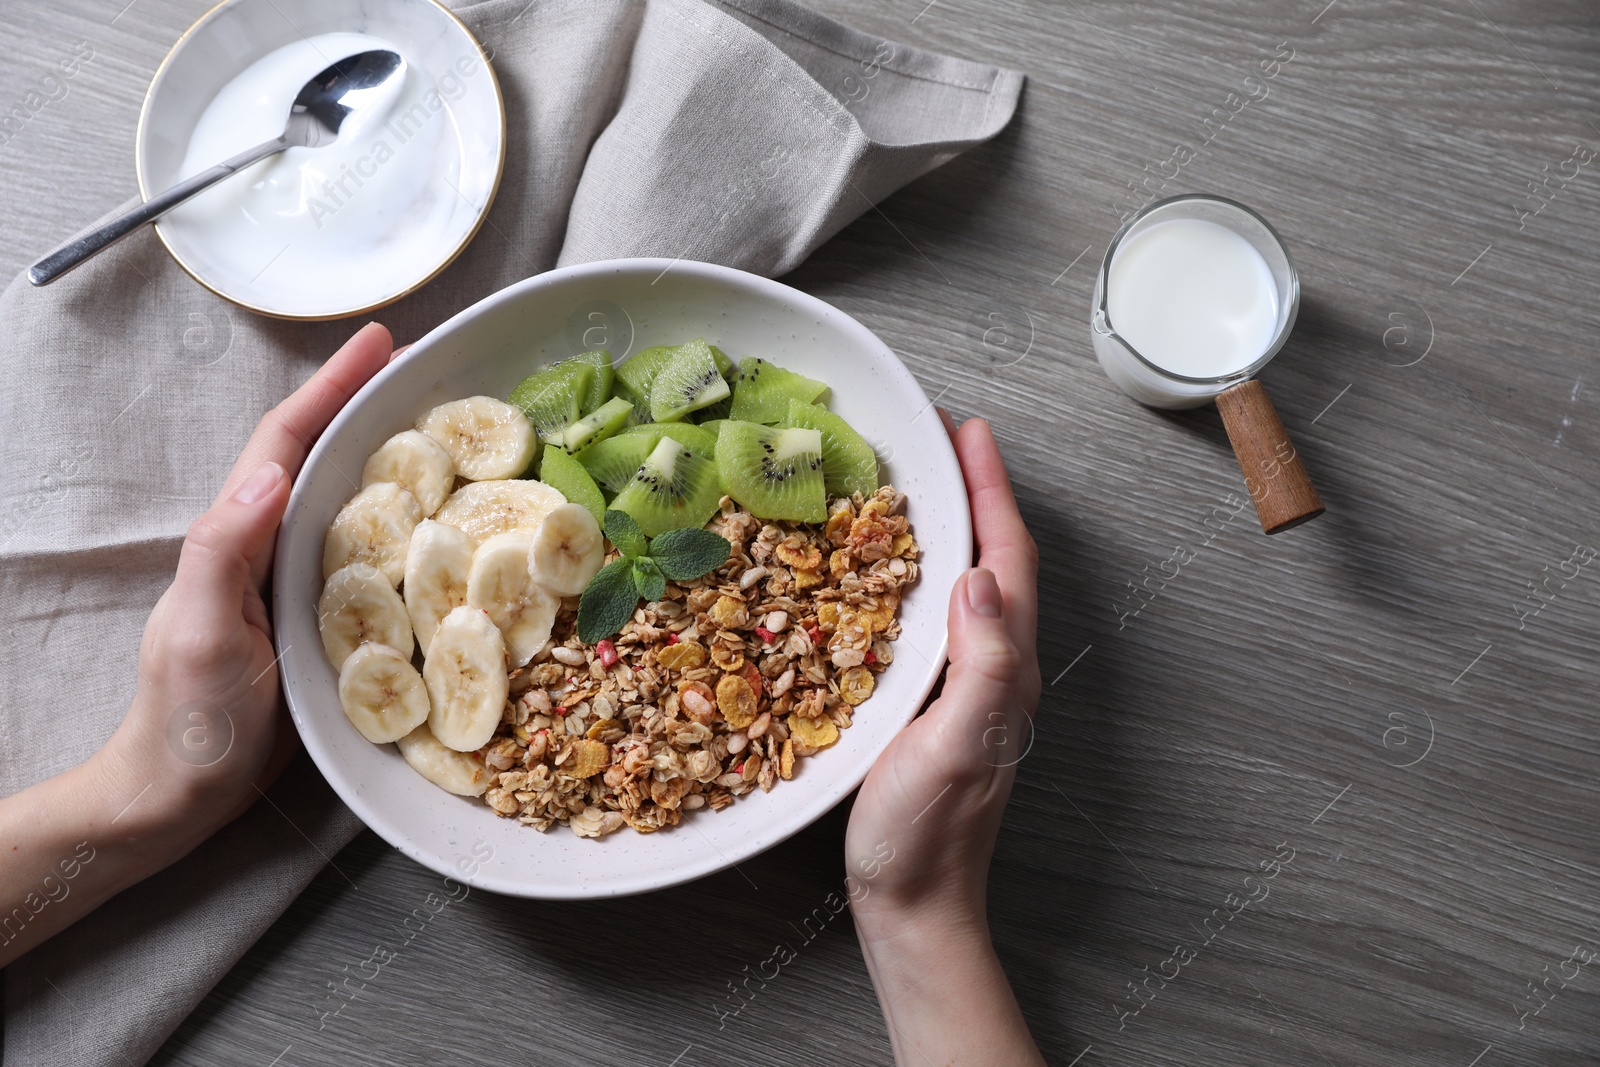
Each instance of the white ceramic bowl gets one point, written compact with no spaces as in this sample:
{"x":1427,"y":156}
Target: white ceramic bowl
{"x":623,"y":305}
{"x":398,"y":214}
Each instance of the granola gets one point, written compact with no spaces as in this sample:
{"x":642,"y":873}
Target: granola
{"x":719,"y":688}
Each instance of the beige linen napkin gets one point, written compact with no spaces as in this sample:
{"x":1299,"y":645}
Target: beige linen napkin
{"x":742,"y":131}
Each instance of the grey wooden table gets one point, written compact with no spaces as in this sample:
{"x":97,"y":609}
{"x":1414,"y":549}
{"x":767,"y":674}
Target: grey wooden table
{"x":1323,"y":798}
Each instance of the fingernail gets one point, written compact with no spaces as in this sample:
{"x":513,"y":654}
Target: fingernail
{"x":259,"y":484}
{"x":983,"y":593}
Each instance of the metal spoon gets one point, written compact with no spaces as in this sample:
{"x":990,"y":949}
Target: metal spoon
{"x":314,"y":121}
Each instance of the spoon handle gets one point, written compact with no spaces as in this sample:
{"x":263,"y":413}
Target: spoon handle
{"x":1278,"y":483}
{"x":93,"y":243}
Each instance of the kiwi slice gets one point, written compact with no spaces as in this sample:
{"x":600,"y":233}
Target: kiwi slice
{"x":553,"y":398}
{"x":686,"y":382}
{"x":613,"y":462}
{"x":696,"y":439}
{"x":848,"y":463}
{"x":717,"y":412}
{"x":673,"y":488}
{"x":776,"y":473}
{"x":637,"y":373}
{"x":602,"y":422}
{"x":604,"y":376}
{"x":641,"y":408}
{"x":729,"y":370}
{"x":762,"y":391}
{"x":566,"y":476}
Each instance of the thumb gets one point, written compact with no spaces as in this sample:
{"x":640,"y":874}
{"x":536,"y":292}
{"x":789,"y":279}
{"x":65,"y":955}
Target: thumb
{"x":979,"y":703}
{"x":214,"y":568}
{"x":984,"y":661}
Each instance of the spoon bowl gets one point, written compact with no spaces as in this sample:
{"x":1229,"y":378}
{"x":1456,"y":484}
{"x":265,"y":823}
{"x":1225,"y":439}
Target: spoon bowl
{"x":364,"y":81}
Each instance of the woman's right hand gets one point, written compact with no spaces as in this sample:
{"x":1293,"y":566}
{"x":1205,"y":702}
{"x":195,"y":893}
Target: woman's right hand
{"x":206,"y":732}
{"x":923,"y":827}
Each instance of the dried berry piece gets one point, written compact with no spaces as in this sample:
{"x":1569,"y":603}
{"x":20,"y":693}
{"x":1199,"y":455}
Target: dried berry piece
{"x":752,"y":674}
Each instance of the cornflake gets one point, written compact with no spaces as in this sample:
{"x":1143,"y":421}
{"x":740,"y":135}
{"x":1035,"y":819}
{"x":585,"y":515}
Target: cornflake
{"x":722,"y":687}
{"x":737,"y":701}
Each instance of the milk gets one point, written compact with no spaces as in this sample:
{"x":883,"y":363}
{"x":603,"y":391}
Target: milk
{"x":1192,"y":297}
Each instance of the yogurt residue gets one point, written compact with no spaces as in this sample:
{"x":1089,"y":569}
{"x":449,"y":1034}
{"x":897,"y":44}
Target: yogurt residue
{"x":321,"y":230}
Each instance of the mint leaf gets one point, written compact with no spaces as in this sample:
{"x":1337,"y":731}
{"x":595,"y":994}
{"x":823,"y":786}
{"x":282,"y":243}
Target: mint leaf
{"x":625,"y":534}
{"x":608,"y":602}
{"x":648,"y":579}
{"x":689,"y":553}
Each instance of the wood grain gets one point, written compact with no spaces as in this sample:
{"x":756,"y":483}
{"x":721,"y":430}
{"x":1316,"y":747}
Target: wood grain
{"x":1363,"y":692}
{"x":1273,"y":472}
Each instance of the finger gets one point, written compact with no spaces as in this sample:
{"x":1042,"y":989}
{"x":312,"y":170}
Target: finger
{"x":397,"y":353}
{"x":980,"y":641}
{"x":215,"y":567}
{"x":287,"y":432}
{"x":949,"y":423}
{"x":1004,"y":544}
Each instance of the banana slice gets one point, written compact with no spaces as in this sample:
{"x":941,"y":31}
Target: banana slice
{"x":382,"y":694}
{"x":415,"y":462}
{"x":482,"y":509}
{"x":436,"y":576}
{"x":455,"y":772}
{"x":375,"y":527}
{"x":501,"y":585}
{"x":467,"y":681}
{"x":486,"y":438}
{"x":567,"y":551}
{"x":359,"y":605}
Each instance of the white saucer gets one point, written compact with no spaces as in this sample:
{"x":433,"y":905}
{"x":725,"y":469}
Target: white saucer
{"x":380,"y":250}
